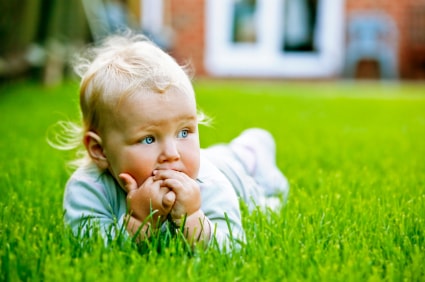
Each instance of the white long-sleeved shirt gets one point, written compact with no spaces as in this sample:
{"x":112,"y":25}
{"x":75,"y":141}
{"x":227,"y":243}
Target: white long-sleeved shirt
{"x":95,"y":195}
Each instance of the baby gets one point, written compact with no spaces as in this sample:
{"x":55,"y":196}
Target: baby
{"x":144,"y":167}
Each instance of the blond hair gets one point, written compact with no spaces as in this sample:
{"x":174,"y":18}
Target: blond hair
{"x":120,"y":66}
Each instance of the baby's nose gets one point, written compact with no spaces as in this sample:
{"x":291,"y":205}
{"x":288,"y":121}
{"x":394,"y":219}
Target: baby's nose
{"x":169,"y":152}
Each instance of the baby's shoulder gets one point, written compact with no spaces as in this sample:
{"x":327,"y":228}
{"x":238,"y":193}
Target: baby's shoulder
{"x":89,"y":177}
{"x":86,"y":173}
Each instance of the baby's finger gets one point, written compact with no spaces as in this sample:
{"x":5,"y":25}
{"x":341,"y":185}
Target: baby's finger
{"x":128,"y":182}
{"x":167,"y":173}
{"x":169,"y":199}
{"x":173,"y":184}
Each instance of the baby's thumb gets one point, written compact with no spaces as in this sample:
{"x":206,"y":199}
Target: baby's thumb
{"x":168,"y":199}
{"x":127,"y":182}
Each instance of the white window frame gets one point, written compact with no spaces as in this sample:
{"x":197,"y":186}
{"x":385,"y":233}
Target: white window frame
{"x":152,"y":18}
{"x":265,"y":58}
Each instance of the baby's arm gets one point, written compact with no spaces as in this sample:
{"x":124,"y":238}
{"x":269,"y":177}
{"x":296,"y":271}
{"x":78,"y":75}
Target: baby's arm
{"x":187,"y":204}
{"x":148,"y":205}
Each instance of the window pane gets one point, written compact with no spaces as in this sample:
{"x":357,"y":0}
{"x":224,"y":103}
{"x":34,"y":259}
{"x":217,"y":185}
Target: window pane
{"x":300,"y":19}
{"x":244,"y":22}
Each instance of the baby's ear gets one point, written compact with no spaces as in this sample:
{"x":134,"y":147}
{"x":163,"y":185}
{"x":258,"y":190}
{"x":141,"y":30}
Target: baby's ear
{"x":93,"y":144}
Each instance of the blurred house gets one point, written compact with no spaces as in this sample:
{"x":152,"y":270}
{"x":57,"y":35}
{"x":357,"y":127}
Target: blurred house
{"x":290,"y":39}
{"x":258,"y":38}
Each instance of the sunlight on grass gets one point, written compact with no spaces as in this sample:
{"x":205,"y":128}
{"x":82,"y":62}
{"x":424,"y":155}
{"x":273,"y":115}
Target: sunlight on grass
{"x":353,"y":154}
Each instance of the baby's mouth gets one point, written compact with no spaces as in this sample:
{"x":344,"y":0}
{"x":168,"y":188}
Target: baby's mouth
{"x":153,"y":172}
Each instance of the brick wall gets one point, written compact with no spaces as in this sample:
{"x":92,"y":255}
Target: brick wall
{"x":189,"y":24}
{"x":188,"y":21}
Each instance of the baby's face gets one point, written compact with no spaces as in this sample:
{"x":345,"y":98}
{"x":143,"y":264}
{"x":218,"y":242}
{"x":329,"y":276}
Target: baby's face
{"x":152,"y":132}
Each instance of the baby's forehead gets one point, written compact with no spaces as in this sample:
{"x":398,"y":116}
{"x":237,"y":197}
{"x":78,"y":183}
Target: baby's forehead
{"x":170,"y":92}
{"x":151,"y":105}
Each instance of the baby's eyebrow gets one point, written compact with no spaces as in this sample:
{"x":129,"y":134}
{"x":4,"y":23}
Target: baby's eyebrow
{"x":190,"y":118}
{"x":181,"y":120}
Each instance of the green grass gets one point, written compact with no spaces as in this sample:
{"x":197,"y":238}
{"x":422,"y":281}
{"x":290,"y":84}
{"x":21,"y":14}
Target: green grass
{"x":353,"y":153}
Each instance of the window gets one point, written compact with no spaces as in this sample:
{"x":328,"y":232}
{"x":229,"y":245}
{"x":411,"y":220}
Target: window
{"x":300,"y":27}
{"x":244,"y":21}
{"x":274,"y":38}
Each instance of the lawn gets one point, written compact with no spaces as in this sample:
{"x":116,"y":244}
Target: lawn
{"x":354,"y":155}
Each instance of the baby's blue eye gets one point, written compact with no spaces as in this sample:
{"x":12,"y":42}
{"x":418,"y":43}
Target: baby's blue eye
{"x":148,"y":140}
{"x":183,"y":133}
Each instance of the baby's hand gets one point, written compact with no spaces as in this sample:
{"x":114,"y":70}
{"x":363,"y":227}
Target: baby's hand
{"x":186,"y":189}
{"x":150,"y":197}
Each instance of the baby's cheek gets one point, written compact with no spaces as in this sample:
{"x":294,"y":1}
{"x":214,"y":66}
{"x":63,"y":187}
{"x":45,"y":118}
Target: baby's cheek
{"x":194,"y":168}
{"x":139,"y":176}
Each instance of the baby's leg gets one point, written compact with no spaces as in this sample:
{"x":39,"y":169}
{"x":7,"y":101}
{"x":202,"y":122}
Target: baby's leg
{"x":249,"y":163}
{"x":244,"y":185}
{"x":256,"y":149}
